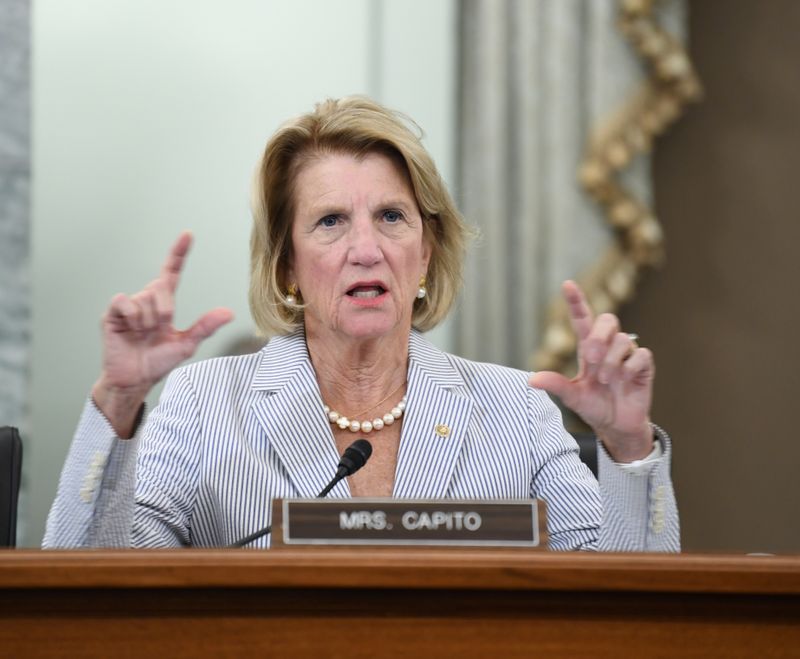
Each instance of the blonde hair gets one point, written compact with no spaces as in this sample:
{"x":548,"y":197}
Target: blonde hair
{"x":357,"y":126}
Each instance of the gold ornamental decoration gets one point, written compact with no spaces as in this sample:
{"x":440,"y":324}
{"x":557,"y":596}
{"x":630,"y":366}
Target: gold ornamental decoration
{"x":670,"y":85}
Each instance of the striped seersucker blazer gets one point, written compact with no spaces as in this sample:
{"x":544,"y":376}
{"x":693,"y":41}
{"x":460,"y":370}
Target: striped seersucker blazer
{"x":233,"y":433}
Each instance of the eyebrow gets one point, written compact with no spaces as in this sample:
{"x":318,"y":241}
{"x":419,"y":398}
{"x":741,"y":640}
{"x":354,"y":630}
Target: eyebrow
{"x":327,"y":209}
{"x":395,"y":203}
{"x":323,"y":209}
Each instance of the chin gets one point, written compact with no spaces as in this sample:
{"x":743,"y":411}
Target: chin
{"x":371,"y":328}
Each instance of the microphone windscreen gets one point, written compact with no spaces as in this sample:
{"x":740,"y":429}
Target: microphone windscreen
{"x":355,"y":456}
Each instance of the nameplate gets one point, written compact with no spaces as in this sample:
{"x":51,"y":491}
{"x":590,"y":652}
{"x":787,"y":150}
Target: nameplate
{"x":495,"y":523}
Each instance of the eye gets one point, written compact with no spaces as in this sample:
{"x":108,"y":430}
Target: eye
{"x":329,"y":221}
{"x":393,"y":216}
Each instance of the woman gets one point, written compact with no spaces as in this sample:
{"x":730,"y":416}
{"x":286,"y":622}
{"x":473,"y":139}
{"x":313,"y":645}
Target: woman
{"x":356,"y":248}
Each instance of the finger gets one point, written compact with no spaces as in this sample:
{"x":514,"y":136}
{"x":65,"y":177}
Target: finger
{"x":207,"y":324}
{"x":123,"y":314}
{"x":553,"y":383}
{"x":596,"y":344}
{"x":640,"y":367}
{"x":621,"y":348}
{"x":171,"y":270}
{"x":146,"y":302}
{"x":580,"y":314}
{"x":164,"y":301}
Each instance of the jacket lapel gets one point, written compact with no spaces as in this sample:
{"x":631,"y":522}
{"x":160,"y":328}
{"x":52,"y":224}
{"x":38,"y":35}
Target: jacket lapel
{"x":291,"y":416}
{"x":435,"y":424}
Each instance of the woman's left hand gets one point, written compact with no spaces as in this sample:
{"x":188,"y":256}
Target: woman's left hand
{"x":613,"y":389}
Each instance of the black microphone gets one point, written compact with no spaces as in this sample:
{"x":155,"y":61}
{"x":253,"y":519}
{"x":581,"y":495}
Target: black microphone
{"x":355,"y":456}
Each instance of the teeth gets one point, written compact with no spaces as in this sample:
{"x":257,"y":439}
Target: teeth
{"x":370,"y":293}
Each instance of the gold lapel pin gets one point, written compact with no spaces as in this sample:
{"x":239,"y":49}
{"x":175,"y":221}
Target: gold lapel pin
{"x":442,"y":430}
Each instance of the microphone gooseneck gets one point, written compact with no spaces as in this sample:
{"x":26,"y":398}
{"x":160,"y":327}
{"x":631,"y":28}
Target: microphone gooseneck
{"x":354,"y":457}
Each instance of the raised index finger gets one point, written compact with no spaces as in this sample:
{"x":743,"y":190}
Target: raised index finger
{"x":580,"y":315}
{"x":171,"y":270}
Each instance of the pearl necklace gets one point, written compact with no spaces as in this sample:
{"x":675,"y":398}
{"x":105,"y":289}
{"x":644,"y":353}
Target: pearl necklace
{"x":367,"y":426}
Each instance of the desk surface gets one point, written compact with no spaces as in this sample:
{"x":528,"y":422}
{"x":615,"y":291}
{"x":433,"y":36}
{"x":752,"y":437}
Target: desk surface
{"x":508,"y":569}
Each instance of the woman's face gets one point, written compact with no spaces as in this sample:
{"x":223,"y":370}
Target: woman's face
{"x":358,"y":245}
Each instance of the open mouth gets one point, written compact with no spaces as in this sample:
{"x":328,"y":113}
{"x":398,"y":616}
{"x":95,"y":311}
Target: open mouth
{"x":366,"y":291}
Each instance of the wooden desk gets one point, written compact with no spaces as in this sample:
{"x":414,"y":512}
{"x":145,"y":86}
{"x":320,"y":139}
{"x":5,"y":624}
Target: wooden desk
{"x":396,"y":603}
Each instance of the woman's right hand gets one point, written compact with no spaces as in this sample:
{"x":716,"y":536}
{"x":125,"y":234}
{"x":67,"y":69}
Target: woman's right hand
{"x":140,"y":344}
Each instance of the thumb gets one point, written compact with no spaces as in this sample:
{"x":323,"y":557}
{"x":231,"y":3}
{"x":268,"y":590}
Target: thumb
{"x":208,"y":323}
{"x":552,"y":383}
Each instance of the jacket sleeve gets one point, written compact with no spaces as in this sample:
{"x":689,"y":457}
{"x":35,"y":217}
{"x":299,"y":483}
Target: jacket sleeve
{"x":639,"y":509}
{"x":130,"y":493}
{"x":625,"y":511}
{"x":94,"y":502}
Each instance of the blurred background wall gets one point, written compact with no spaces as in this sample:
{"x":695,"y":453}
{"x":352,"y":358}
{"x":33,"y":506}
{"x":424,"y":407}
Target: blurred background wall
{"x":148,"y":118}
{"x":723,"y":314}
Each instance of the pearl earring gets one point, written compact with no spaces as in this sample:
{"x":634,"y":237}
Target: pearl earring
{"x":422,"y":292}
{"x":291,"y":298}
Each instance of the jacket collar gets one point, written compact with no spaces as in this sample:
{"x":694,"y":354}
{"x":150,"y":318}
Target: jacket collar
{"x":281,"y":358}
{"x":292,"y":416}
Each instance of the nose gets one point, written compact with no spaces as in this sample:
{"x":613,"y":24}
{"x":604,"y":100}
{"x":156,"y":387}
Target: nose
{"x":365,"y":248}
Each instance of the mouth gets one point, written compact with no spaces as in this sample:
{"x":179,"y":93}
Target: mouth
{"x":366,"y":291}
